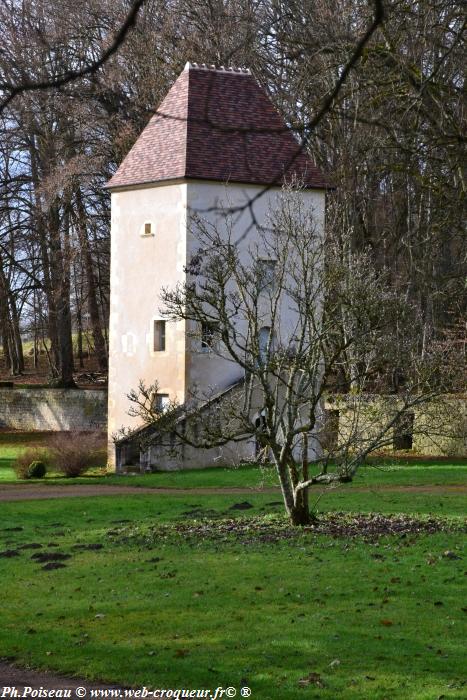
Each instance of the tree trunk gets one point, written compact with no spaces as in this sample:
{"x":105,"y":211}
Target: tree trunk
{"x":300,"y":513}
{"x":4,"y":324}
{"x":39,"y":222}
{"x":296,"y":506}
{"x":9,"y":325}
{"x":79,"y":330}
{"x":16,"y":335}
{"x":99,"y":342}
{"x":63,"y":307}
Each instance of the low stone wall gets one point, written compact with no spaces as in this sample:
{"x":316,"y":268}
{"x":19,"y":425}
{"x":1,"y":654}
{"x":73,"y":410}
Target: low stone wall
{"x":438,"y":428}
{"x":53,"y":409}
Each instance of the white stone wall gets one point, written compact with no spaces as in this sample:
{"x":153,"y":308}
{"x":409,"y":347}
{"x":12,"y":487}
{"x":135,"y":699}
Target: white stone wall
{"x":207,"y":200}
{"x":142,"y":265}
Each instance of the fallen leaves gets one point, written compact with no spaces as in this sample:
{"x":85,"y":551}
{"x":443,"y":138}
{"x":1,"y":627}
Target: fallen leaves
{"x":270,"y":529}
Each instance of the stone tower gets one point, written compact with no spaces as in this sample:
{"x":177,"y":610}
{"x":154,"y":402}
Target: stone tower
{"x":215,"y":141}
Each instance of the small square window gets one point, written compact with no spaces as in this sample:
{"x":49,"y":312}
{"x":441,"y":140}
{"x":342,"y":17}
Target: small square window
{"x":160,"y":402}
{"x":147,"y":229}
{"x":159,"y":336}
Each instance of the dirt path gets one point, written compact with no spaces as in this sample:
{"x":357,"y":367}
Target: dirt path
{"x":14,"y":492}
{"x":18,"y":493}
{"x":21,"y":678}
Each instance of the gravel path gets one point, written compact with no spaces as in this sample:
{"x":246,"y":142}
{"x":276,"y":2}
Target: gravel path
{"x":14,"y":492}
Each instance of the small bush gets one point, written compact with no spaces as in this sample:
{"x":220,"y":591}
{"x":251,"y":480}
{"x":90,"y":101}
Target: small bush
{"x":33,"y":455}
{"x":36,"y":470}
{"x":74,"y":453}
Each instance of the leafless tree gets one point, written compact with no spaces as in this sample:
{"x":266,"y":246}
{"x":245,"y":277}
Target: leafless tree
{"x":81,"y":59}
{"x":291,"y":330}
{"x":373,"y":90}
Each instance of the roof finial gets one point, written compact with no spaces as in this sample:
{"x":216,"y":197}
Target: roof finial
{"x":218,"y":69}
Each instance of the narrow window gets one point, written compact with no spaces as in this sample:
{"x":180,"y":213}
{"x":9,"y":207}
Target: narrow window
{"x":208,"y":334}
{"x":403,"y":432}
{"x":263,"y":340}
{"x":159,"y":336}
{"x":147,"y":228}
{"x":161,"y":402}
{"x":267,"y":275}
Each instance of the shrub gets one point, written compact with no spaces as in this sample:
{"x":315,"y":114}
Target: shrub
{"x":74,"y":453}
{"x":33,"y":455}
{"x":36,"y":470}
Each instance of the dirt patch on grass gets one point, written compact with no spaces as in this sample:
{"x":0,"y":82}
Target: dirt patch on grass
{"x":18,"y":492}
{"x":344,"y":526}
{"x":44,"y":557}
{"x":13,"y":676}
{"x":51,"y":566}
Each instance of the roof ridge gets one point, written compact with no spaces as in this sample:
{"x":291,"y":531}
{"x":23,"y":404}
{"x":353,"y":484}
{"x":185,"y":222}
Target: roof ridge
{"x":192,"y":65}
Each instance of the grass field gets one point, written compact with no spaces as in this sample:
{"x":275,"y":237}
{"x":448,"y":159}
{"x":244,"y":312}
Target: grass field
{"x":164,"y":603}
{"x":173,"y":612}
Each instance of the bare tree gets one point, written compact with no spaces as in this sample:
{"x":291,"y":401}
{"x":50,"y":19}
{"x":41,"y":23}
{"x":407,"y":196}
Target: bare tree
{"x":291,"y":329}
{"x":17,"y":77}
{"x":374,"y":90}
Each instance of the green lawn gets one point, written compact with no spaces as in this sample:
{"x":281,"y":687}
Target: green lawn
{"x":306,"y":617}
{"x":382,"y":472}
{"x":373,"y":620}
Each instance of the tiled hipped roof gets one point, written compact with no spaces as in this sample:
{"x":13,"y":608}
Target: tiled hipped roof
{"x":217,"y":125}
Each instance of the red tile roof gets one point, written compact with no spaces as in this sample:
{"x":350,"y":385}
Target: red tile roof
{"x":217,"y":124}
